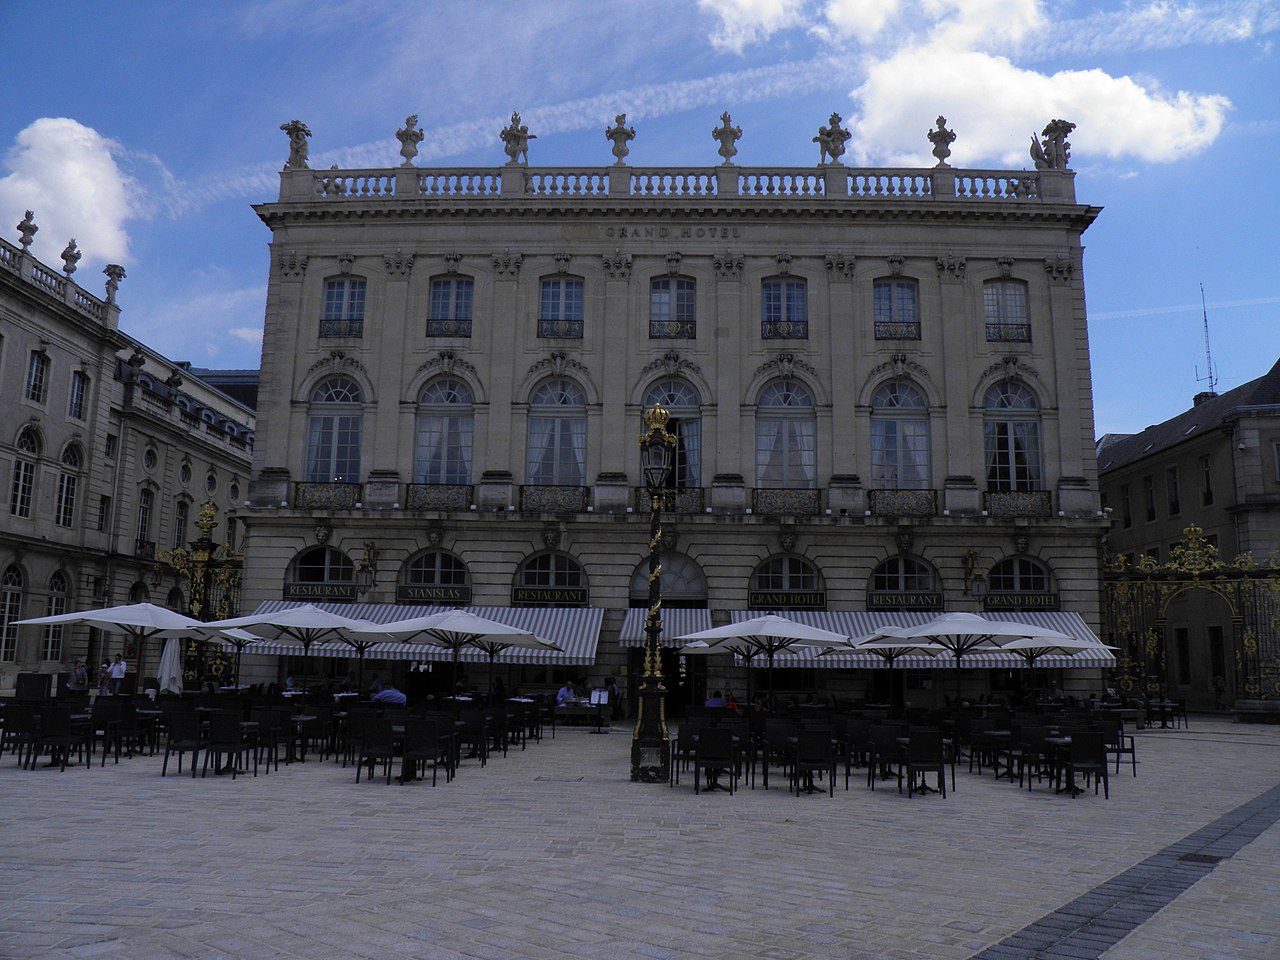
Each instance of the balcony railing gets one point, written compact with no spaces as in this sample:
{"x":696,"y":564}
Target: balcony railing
{"x":1027,"y":503}
{"x":903,"y":503}
{"x":448,"y":328}
{"x":775,"y":500}
{"x":560,"y":329}
{"x":784,"y":329}
{"x":438,"y":496}
{"x":689,"y":500}
{"x":673,"y":329}
{"x":1008,"y":333}
{"x":144,"y":549}
{"x":342,"y":328}
{"x":553,"y":499}
{"x":329,"y":496}
{"x":897,"y":329}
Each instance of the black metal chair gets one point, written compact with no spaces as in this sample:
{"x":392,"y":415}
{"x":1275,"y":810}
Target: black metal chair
{"x":926,"y":753}
{"x":58,"y":734}
{"x":715,"y":754}
{"x":186,"y":735}
{"x":425,"y":746}
{"x":377,"y":745}
{"x":1086,"y":754}
{"x":227,"y":741}
{"x":815,"y":753}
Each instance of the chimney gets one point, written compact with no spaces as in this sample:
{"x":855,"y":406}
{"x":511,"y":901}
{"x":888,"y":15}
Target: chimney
{"x":1203,"y":396}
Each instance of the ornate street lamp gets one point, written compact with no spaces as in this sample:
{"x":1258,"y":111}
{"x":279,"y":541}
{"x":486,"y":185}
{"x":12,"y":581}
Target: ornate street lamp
{"x":650,"y":745}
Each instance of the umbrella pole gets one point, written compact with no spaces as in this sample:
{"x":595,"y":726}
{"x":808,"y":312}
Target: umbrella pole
{"x":360,"y":669}
{"x":492,"y":656}
{"x":239,"y":650}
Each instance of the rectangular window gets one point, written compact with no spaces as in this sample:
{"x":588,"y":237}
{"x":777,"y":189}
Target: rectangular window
{"x":897,"y":310}
{"x":79,"y":389}
{"x":1004,"y":307}
{"x":1153,"y":553}
{"x":180,"y":511}
{"x":561,"y":312}
{"x":1182,"y":648}
{"x":104,"y":513}
{"x":784,"y":310}
{"x":24,"y":482}
{"x":52,"y":646}
{"x":1149,"y":497}
{"x":1206,"y":482}
{"x":65,"y":507}
{"x":672,"y":309}
{"x":343,"y":308}
{"x":109,"y":448}
{"x":145,"y":501}
{"x":10,"y":613}
{"x":37,"y":388}
{"x":1126,"y":507}
{"x":1171,"y":493}
{"x":450,"y":310}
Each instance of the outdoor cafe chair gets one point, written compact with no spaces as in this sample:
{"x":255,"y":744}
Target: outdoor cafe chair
{"x":925,"y":753}
{"x":684,"y":746}
{"x":424,"y":745}
{"x":884,"y":751}
{"x":715,"y":755}
{"x":814,"y":753}
{"x":270,"y":732}
{"x":777,"y":745}
{"x":377,"y":745}
{"x":185,"y":735}
{"x":59,"y":734}
{"x":1119,"y":743}
{"x":21,"y":724}
{"x":854,"y":745}
{"x":1086,"y":754}
{"x":227,"y":741}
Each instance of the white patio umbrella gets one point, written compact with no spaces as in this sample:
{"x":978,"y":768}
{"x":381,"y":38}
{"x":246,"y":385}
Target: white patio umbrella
{"x":170,"y":676}
{"x":766,"y":635}
{"x":455,"y":629}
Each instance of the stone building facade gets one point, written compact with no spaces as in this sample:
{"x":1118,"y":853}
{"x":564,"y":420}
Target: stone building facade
{"x":108,"y":452}
{"x":879,"y":380}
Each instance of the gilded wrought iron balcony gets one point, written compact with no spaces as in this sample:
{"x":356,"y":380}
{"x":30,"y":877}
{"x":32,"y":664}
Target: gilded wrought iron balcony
{"x":329,"y":496}
{"x":144,"y":549}
{"x":438,"y":496}
{"x":687,"y":500}
{"x":1026,"y":503}
{"x":448,"y":328}
{"x":553,"y":499}
{"x":673,"y":329}
{"x":897,"y":329}
{"x":903,"y":503}
{"x":1008,"y":333}
{"x":775,"y":500}
{"x":342,"y":328}
{"x":784,"y":329}
{"x":560,"y":329}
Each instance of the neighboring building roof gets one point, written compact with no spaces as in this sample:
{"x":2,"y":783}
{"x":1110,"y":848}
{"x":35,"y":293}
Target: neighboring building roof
{"x":239,"y":385}
{"x":1207,"y":415}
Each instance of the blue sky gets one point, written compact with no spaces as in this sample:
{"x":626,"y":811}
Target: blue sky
{"x":145,"y":130}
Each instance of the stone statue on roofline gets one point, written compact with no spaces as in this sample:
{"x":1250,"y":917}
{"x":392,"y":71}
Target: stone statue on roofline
{"x":942,"y":138}
{"x":70,"y":257}
{"x":831,"y":140}
{"x":1052,"y":151}
{"x":28,"y":229}
{"x":728,"y":135}
{"x":410,"y":136}
{"x":620,"y":134}
{"x":515,"y":140}
{"x":298,"y":146}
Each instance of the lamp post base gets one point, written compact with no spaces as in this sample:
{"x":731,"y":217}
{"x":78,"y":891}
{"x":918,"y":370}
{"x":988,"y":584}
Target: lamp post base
{"x":650,"y":744}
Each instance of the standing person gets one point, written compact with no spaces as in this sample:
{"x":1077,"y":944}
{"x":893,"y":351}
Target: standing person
{"x":78,"y":682}
{"x":104,"y":679}
{"x":117,"y":671}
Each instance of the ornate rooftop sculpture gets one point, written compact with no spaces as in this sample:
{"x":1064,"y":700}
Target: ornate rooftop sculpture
{"x":621,"y":135}
{"x":70,"y":257}
{"x":410,"y":136}
{"x":515,"y":140}
{"x":1052,"y":151}
{"x":28,"y":229}
{"x":728,"y":136}
{"x":942,"y":138}
{"x":298,"y":146}
{"x":115,"y":273}
{"x":831,"y":140}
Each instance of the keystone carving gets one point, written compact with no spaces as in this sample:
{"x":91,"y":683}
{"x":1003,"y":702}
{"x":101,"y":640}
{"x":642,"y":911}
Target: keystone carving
{"x":841,"y":264}
{"x":617,"y":265}
{"x":507,"y":264}
{"x":728,"y":266}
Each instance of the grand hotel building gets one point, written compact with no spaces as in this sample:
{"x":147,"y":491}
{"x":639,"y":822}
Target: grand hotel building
{"x":879,"y":381}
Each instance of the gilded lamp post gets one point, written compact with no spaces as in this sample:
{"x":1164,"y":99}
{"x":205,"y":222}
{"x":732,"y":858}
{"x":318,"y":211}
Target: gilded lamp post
{"x":650,"y":748}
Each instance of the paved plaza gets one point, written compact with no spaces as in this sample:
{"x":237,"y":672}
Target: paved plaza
{"x":552,"y":852}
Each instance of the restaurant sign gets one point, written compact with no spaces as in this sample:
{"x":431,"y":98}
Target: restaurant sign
{"x":551,"y":596}
{"x":320,"y":591}
{"x":1020,"y":601}
{"x":904,"y":601}
{"x":422,"y":593}
{"x":787,"y":600}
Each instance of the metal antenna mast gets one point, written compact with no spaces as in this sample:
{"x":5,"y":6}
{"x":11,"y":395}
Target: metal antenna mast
{"x":1211,"y":374}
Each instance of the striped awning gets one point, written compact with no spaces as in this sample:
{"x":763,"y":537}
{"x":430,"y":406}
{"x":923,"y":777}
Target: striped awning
{"x":675,"y":623}
{"x":856,"y":624}
{"x":575,"y":629}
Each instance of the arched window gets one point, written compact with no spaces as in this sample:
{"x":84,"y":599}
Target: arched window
{"x":560,"y":313}
{"x":450,"y":310}
{"x":435,"y":577}
{"x":682,"y":402}
{"x":1011,"y":438}
{"x":904,"y":583}
{"x":784,"y":311}
{"x":897,"y":309}
{"x":442,"y":444}
{"x":78,"y":394}
{"x":673,"y":308}
{"x":176,"y":601}
{"x":343,"y":307}
{"x":556,"y":451}
{"x":333,"y":432}
{"x":785,"y":427}
{"x":37,"y":385}
{"x":550,"y":580}
{"x":1004,"y":307}
{"x":54,"y":606}
{"x":684,"y":585}
{"x":786,"y":583}
{"x":64,"y":508}
{"x":324,"y":565}
{"x":11,"y":584}
{"x":1018,"y":575}
{"x":899,"y":437}
{"x":22,"y":490}
{"x":139,"y":593}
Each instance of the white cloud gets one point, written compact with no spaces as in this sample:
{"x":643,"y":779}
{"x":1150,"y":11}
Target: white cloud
{"x":67,"y":174}
{"x":860,"y":19}
{"x":194,"y":323}
{"x":250,"y":335}
{"x":744,"y":22}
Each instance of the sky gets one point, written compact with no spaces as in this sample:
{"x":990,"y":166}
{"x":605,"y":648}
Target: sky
{"x":146,"y":129}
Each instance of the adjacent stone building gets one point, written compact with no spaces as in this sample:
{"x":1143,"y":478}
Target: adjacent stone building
{"x":878,"y":378}
{"x":106,"y":455}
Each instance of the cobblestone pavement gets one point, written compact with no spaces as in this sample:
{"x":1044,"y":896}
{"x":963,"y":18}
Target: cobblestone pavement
{"x":552,"y":853}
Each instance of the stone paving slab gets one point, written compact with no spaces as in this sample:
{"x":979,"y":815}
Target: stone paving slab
{"x":553,"y":853}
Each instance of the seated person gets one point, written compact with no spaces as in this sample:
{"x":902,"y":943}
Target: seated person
{"x":565,"y":694}
{"x":289,"y":684}
{"x":375,"y":685}
{"x":389,"y":694}
{"x":716,"y":700}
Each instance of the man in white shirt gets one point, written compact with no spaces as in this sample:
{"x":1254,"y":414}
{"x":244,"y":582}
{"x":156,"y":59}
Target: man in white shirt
{"x":116,"y":672}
